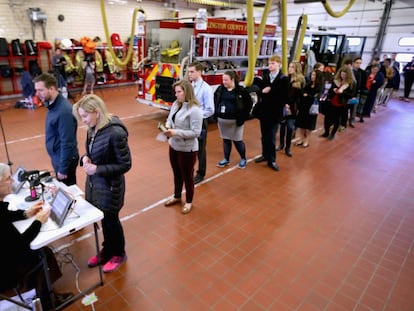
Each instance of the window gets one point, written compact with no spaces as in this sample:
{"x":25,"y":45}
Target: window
{"x":406,"y":41}
{"x":404,"y":57}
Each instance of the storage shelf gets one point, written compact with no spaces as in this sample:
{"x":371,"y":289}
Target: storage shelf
{"x":113,"y":75}
{"x":17,"y":64}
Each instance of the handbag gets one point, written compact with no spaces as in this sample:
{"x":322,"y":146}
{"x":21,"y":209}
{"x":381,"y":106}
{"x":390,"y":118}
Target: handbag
{"x":314,"y":108}
{"x":353,"y":101}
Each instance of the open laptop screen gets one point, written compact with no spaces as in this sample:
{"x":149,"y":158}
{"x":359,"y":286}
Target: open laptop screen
{"x":60,"y":207}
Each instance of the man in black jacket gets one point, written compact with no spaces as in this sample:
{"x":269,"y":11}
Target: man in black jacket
{"x":360,"y":89}
{"x":274,"y":96}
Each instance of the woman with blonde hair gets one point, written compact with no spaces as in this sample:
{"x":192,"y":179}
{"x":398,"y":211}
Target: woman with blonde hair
{"x":183,"y":125}
{"x":287,"y":126}
{"x":105,"y":162}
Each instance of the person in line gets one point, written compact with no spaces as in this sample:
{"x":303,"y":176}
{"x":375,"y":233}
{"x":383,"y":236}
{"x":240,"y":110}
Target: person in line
{"x":318,"y":66}
{"x":61,"y":129}
{"x":184,"y":124}
{"x":392,"y":82}
{"x":205,"y":96}
{"x":394,"y":62}
{"x":89,"y":68}
{"x":387,"y":72}
{"x":232,"y":107}
{"x":384,"y":57}
{"x":374,"y":82}
{"x":349,"y":109}
{"x":287,"y":125}
{"x":408,"y":79}
{"x":105,"y":163}
{"x":59,"y":63}
{"x":22,"y":267}
{"x":375,"y":62}
{"x":305,"y":122}
{"x":360,"y":91}
{"x":274,"y":95}
{"x":338,"y":97}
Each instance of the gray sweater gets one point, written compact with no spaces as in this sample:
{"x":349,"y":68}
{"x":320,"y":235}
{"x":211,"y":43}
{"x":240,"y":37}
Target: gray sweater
{"x":187,"y":124}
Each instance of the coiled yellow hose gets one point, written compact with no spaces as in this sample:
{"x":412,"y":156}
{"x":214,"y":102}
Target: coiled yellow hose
{"x":117,"y":61}
{"x":334,"y":14}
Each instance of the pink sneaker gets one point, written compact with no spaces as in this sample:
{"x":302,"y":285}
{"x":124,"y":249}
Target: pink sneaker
{"x":114,"y":263}
{"x":93,"y":261}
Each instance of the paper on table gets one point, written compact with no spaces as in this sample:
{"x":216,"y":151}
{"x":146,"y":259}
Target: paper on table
{"x":161,"y":137}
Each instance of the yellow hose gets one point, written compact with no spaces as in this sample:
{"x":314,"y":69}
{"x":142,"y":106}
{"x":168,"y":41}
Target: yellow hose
{"x":262,"y":27}
{"x":334,"y":14}
{"x":248,"y":80}
{"x":284,"y":36}
{"x":301,"y":37}
{"x":117,"y":61}
{"x":253,"y":48}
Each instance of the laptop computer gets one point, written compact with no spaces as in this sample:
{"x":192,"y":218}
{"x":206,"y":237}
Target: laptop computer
{"x":60,"y":207}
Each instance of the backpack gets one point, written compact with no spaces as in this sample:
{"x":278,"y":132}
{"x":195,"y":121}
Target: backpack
{"x":34,"y":68}
{"x":31,"y":48}
{"x":4,"y":47}
{"x":17,"y":47}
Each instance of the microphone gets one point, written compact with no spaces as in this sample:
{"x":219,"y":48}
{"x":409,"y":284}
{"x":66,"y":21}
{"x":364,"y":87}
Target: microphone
{"x":44,"y":176}
{"x":25,"y":175}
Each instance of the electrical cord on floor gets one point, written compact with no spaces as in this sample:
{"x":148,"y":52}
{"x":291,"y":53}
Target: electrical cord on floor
{"x":63,"y":257}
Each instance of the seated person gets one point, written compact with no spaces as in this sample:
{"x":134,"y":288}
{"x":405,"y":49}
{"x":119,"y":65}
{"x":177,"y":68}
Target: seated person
{"x":21,"y":266}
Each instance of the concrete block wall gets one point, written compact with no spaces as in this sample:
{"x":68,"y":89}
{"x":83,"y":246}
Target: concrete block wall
{"x":81,"y":18}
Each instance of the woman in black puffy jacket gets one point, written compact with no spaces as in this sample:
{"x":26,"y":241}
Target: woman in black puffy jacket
{"x":106,"y":161}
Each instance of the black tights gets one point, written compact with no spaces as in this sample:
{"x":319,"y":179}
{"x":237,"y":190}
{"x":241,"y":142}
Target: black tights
{"x":240,"y":147}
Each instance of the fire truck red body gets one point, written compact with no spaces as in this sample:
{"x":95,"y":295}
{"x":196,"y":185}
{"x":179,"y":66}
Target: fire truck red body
{"x":220,"y":45}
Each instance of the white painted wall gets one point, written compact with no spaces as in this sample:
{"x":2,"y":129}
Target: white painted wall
{"x":82,"y":18}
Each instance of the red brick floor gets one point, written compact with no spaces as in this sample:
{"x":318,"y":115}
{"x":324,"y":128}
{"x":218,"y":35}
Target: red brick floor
{"x":333,"y":230}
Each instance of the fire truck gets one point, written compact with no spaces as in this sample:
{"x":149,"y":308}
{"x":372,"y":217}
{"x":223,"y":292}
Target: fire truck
{"x":219,"y":44}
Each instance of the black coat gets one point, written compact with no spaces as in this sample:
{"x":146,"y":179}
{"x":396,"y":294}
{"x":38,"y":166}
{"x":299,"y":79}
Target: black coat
{"x":343,"y":97}
{"x":243,"y":103}
{"x":273,"y":103}
{"x":17,"y":257}
{"x":110,"y":153}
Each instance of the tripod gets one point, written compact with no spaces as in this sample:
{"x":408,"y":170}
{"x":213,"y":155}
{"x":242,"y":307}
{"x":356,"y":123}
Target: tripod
{"x":5,"y":143}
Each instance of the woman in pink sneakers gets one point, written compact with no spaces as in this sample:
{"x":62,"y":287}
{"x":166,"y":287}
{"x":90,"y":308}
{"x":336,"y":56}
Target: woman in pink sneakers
{"x":106,"y":161}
